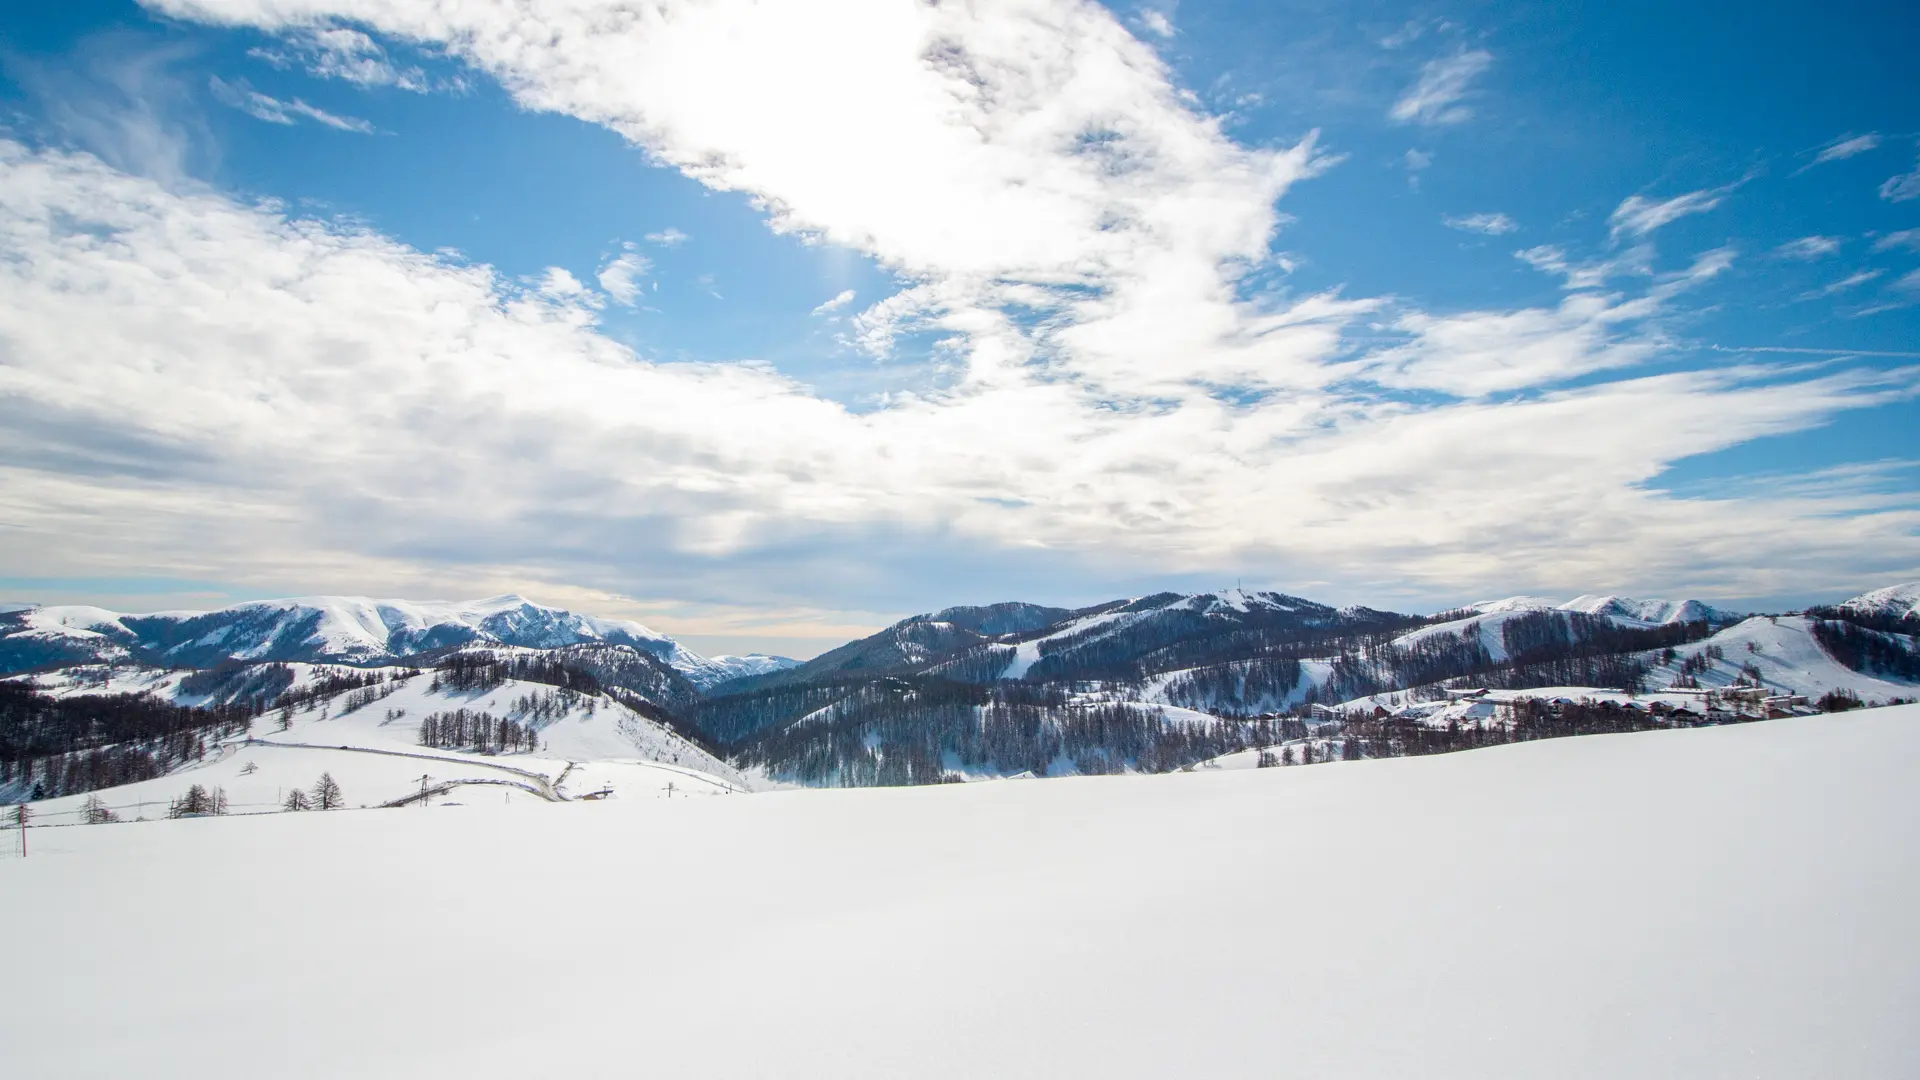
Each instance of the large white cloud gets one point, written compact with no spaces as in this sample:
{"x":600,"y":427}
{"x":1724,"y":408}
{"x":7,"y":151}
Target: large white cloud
{"x":201,"y":388}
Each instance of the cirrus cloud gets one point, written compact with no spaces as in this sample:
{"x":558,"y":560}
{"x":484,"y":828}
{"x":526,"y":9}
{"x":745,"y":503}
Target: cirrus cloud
{"x":275,"y":111}
{"x":1485,"y":224}
{"x":1637,"y":215}
{"x":1809,"y":248}
{"x":1435,"y":97}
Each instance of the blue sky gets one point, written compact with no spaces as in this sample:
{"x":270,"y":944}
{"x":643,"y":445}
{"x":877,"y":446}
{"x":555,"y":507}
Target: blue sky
{"x":769,"y":327}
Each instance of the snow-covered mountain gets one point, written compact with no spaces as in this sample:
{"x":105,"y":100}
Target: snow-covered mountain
{"x":1623,"y":610}
{"x":319,"y":629}
{"x":923,"y":639}
{"x":1894,"y":602}
{"x":718,"y":669}
{"x":1628,"y":611}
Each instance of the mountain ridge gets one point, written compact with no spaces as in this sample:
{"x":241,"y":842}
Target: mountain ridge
{"x":332,"y":629}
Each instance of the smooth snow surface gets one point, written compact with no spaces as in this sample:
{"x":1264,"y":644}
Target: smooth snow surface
{"x":1717,"y":902}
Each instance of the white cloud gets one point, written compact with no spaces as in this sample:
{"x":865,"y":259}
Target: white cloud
{"x":339,"y":52}
{"x":1157,"y":22}
{"x":667,"y":237}
{"x":1481,"y":353}
{"x":1072,"y":226}
{"x":1851,"y":281}
{"x":1636,"y":261}
{"x":1903,"y":187}
{"x":1416,"y":162}
{"x":1906,"y":238}
{"x":1435,"y":97}
{"x":275,"y":111}
{"x":1844,"y":147}
{"x":121,"y":96}
{"x":579,"y":461}
{"x":1809,"y":248}
{"x":839,"y":301}
{"x":1409,"y":33}
{"x":1067,"y":169}
{"x":1489,"y":224}
{"x":1637,"y":216}
{"x":558,"y":284}
{"x":621,"y":276}
{"x":1909,"y":281}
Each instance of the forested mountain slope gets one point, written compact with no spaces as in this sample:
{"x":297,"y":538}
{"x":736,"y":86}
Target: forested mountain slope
{"x":1150,"y":683}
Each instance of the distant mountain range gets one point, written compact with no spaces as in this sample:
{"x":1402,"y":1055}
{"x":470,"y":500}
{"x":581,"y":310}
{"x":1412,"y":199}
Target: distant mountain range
{"x":997,"y":641}
{"x":1145,"y":683}
{"x":335,"y":629}
{"x":1621,"y":609}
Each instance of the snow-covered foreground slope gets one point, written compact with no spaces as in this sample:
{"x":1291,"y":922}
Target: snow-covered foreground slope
{"x":1700,"y":903}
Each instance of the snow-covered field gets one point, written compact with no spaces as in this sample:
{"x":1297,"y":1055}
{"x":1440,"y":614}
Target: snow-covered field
{"x":1714,"y":902}
{"x":374,"y":751}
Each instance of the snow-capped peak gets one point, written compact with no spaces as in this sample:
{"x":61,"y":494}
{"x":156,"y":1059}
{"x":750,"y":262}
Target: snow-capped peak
{"x":1515,"y":603}
{"x":354,"y":629}
{"x":1650,"y":612}
{"x":1897,"y":601}
{"x":719,"y":669}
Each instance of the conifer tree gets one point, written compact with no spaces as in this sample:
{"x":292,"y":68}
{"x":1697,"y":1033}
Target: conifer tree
{"x":326,"y":793}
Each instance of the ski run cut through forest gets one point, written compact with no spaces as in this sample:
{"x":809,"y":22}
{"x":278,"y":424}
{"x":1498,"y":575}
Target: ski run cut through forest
{"x":1221,"y":834}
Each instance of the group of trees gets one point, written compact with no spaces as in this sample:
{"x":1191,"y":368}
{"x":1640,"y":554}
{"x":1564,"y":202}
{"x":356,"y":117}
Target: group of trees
{"x":483,"y":671}
{"x":1243,"y":687}
{"x":921,"y":730}
{"x":51,"y":746}
{"x":537,"y":707}
{"x":233,"y":682}
{"x":325,"y":795}
{"x":199,"y":801}
{"x":477,"y":731}
{"x":329,"y":683}
{"x":1886,"y":622}
{"x":1526,"y":720}
{"x":1869,"y":651}
{"x":731,"y":718}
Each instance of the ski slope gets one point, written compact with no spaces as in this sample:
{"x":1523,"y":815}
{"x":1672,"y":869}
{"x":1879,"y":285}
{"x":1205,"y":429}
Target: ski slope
{"x":1717,"y":902}
{"x":1788,"y":658}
